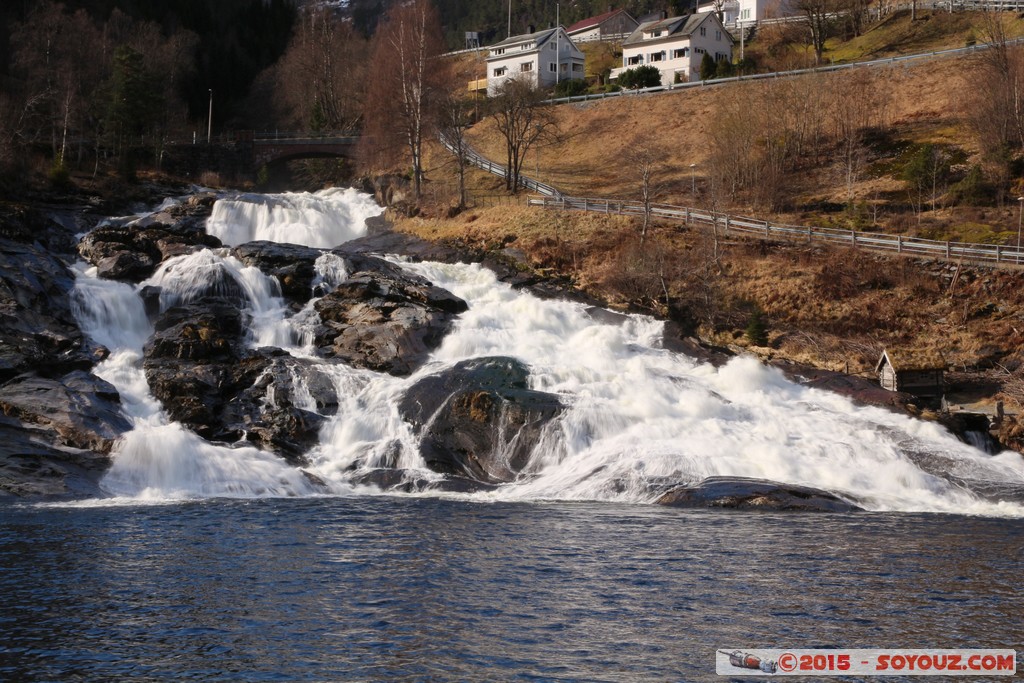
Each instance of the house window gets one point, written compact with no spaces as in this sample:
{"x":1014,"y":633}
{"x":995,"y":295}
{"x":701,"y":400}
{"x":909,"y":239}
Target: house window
{"x":634,"y":60}
{"x":745,"y":14}
{"x":577,"y":68}
{"x":657,"y":56}
{"x":499,"y":51}
{"x":551,"y":67}
{"x":718,"y":35}
{"x":500,"y":71}
{"x":703,"y":30}
{"x":565,"y":67}
{"x":526,"y":66}
{"x":699,"y":50}
{"x":680,"y":54}
{"x":719,"y":57}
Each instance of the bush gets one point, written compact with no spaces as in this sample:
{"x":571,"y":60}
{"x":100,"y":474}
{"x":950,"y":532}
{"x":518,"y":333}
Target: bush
{"x":974,"y":189}
{"x":757,"y":331}
{"x":708,"y":67}
{"x":571,"y":88}
{"x":640,"y":77}
{"x":59,"y":175}
{"x":725,"y":69}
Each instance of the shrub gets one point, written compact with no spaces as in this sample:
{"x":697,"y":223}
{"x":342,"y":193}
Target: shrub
{"x":973,"y":189}
{"x":757,"y":331}
{"x":570,"y":88}
{"x":708,"y":67}
{"x":640,"y":77}
{"x":725,"y":69}
{"x":59,"y":175}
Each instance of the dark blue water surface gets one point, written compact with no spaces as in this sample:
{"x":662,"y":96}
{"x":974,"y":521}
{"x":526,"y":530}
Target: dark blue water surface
{"x":386,"y":589}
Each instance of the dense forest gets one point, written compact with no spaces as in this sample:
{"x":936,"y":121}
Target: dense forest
{"x":88,"y":84}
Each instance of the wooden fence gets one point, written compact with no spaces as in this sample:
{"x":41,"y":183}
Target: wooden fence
{"x":996,"y":255}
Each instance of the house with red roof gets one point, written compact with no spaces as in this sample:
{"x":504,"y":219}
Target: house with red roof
{"x":613,"y":25}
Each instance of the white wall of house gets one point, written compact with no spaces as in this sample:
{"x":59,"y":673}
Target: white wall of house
{"x":543,"y":66}
{"x":752,"y":11}
{"x":679,"y":54}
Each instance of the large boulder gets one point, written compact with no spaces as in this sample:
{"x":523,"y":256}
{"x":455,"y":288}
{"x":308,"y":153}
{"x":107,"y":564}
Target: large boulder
{"x":757,"y":494}
{"x":388,"y":322}
{"x":479,"y":419}
{"x":34,"y":464}
{"x":82,"y":409}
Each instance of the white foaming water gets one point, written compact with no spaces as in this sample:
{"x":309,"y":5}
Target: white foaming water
{"x":638,"y":413}
{"x":635,"y":413}
{"x":158,"y":459}
{"x":323,"y":219}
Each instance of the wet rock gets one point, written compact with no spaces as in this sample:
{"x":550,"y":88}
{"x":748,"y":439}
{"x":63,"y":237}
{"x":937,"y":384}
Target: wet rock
{"x":293,"y":265}
{"x":37,"y":326}
{"x":405,"y":481}
{"x":34,"y":464}
{"x":478,"y":419}
{"x":79,"y":410}
{"x":198,"y":367}
{"x":132,"y":252}
{"x":385,"y":322}
{"x":743,"y":493}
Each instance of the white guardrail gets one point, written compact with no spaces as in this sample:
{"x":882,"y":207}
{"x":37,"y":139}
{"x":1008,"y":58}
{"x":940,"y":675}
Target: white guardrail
{"x":988,"y":254}
{"x":496,"y":169}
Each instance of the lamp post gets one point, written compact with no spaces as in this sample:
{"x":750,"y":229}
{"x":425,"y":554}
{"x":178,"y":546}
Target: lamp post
{"x":1020,"y":215}
{"x":209,"y":119}
{"x":693,"y":185}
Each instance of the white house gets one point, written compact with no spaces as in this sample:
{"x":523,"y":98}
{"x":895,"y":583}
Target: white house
{"x":750,"y":12}
{"x":676,"y":46}
{"x":612,"y":25}
{"x":545,"y":58}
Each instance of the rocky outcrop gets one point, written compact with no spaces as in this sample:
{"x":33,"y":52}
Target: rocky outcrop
{"x":754,"y":494}
{"x":388,"y":322}
{"x":132,"y":251}
{"x":198,"y":367}
{"x":37,"y":327}
{"x":55,"y":434}
{"x":293,"y":265}
{"x":479,"y":419}
{"x":83,"y":410}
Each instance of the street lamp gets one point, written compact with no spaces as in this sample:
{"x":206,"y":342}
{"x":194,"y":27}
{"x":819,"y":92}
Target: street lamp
{"x":693,"y":184}
{"x":209,"y":120}
{"x":1020,"y":215}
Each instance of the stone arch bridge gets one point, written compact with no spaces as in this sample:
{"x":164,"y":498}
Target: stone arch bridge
{"x":272,"y":148}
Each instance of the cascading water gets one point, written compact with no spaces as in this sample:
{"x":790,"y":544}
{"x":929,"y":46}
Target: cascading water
{"x":636,"y":413}
{"x":322,"y":219}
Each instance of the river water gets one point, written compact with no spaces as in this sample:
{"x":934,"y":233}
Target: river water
{"x":411,"y":589}
{"x":207,"y":562}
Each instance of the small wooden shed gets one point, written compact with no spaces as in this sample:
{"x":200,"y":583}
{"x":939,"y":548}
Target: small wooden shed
{"x":914,"y":372}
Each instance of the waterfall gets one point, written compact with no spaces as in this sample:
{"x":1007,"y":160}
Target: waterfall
{"x":323,"y":219}
{"x":158,"y":459}
{"x":635,"y":412}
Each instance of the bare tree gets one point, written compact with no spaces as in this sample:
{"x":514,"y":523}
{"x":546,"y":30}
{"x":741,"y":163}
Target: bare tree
{"x":821,"y":20}
{"x":318,"y":83}
{"x":455,"y":118}
{"x":402,"y":94}
{"x":642,"y":161}
{"x":522,"y":120}
{"x":859,"y":103}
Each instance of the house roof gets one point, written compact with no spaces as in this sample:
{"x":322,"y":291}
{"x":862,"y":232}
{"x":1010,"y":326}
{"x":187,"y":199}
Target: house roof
{"x":540,"y":37}
{"x":911,"y":360}
{"x":594,"y":21}
{"x":674,"y":27}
